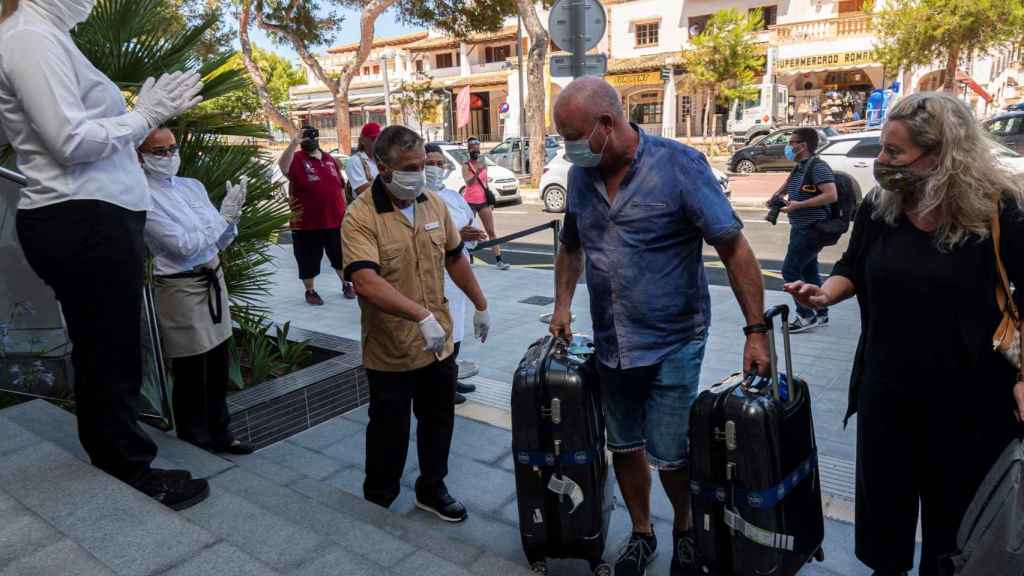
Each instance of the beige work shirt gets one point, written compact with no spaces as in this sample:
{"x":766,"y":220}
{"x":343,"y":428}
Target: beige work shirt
{"x":376,"y":235}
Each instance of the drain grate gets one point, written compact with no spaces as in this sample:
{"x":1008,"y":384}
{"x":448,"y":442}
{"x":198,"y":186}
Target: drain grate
{"x":538,"y":300}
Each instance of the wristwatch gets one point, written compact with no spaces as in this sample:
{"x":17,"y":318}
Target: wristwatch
{"x":759,"y":328}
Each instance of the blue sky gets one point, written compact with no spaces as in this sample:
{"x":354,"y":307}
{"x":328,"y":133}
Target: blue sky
{"x":387,"y":25}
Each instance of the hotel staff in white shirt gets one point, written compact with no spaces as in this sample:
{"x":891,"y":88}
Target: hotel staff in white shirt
{"x":185,"y":234}
{"x":80,"y":221}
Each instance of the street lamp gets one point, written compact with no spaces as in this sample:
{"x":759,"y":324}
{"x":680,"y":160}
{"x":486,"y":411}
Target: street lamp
{"x":384,"y":55}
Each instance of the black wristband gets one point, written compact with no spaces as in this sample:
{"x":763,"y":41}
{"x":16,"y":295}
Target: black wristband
{"x":760,"y":328}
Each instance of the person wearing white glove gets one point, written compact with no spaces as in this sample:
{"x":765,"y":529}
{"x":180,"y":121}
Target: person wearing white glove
{"x":163,"y":99}
{"x":463,"y":217}
{"x":185,"y":234}
{"x":81,"y":218}
{"x":399,"y":240}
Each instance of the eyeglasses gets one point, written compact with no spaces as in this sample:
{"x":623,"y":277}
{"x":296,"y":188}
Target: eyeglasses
{"x":163,"y":150}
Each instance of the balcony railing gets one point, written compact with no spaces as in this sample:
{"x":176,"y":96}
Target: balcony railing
{"x":828,"y":29}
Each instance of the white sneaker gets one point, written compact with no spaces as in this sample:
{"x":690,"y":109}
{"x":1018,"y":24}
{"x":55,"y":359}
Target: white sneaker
{"x":802,"y":324}
{"x":501,"y":265}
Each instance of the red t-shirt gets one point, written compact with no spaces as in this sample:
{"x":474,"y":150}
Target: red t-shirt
{"x":317,"y":191}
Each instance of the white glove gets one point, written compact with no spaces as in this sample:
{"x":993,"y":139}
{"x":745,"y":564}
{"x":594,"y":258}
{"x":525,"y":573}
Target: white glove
{"x":231,"y":207}
{"x":433,"y":334}
{"x":481,"y":325}
{"x":163,"y":99}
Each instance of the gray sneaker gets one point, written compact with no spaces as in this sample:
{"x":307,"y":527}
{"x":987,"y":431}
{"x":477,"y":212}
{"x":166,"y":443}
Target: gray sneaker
{"x":802,"y":324}
{"x":501,"y":265}
{"x":637,"y":555}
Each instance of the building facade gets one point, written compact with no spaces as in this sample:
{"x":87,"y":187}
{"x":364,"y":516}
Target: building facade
{"x":819,"y":69}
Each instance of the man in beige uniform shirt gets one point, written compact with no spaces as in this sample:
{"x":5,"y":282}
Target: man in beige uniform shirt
{"x":398,"y":241}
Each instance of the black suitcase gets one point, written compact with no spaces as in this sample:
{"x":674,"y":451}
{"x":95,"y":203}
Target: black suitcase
{"x":754,"y":479}
{"x":558,"y":439}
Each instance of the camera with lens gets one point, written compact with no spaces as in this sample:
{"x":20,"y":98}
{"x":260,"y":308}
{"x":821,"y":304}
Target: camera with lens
{"x":774,"y":207}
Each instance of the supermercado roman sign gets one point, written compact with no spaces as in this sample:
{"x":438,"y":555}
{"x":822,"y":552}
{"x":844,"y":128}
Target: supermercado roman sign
{"x":839,"y":59}
{"x":631,"y":80}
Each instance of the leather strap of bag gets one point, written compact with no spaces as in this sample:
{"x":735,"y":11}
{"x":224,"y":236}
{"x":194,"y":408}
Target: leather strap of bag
{"x":1003,"y":294}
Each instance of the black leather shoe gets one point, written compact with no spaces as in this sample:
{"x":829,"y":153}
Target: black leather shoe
{"x":459,"y":399}
{"x":235,"y":447}
{"x":176,"y":495}
{"x":465,"y":388}
{"x":444,"y":506}
{"x":173,"y":476}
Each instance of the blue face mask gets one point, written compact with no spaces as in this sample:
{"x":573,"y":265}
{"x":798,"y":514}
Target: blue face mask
{"x":790,"y":153}
{"x":578,"y":152}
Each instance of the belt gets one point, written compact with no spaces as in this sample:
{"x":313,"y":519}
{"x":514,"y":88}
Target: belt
{"x":212,"y":285}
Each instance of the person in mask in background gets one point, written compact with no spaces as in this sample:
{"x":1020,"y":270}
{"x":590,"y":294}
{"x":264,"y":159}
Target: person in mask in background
{"x":807,"y":193}
{"x":317,"y":192}
{"x":185,"y":233}
{"x":399,"y":241}
{"x":648,"y":295}
{"x":437,"y":171}
{"x":362,"y":168}
{"x":935,"y":404}
{"x":81,"y":217}
{"x":479,"y":196}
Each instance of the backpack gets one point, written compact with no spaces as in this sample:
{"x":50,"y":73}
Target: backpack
{"x":991,"y":537}
{"x":840,"y":212}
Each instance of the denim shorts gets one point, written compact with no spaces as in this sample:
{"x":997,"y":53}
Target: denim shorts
{"x":649,"y":407}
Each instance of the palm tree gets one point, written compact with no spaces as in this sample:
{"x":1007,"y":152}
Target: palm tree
{"x":131,"y":40}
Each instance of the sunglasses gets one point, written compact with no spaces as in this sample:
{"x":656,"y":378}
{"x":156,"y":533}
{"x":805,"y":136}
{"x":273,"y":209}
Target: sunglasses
{"x":163,"y":150}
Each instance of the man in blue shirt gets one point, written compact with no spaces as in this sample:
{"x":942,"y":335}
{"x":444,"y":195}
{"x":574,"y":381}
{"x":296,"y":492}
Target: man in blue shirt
{"x":640,"y":207}
{"x":807,"y":200}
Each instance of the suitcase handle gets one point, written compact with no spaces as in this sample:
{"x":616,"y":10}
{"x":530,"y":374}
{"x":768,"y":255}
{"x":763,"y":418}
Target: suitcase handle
{"x":769,"y":319}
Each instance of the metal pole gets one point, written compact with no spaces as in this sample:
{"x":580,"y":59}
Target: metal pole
{"x":387,"y":90}
{"x":577,"y":24}
{"x":522,"y":105}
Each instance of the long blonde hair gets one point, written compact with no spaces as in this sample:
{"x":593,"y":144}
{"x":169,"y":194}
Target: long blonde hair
{"x":968,"y":181}
{"x":8,"y":8}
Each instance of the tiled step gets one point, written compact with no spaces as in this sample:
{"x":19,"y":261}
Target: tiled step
{"x":59,"y":516}
{"x":62,"y":516}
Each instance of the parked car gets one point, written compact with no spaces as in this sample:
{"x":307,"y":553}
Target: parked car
{"x":854,"y":155}
{"x":1007,"y":129}
{"x":555,"y":182}
{"x":502,"y":181}
{"x":769,"y":152}
{"x":506,"y":154}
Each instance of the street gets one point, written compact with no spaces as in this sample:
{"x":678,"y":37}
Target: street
{"x":769,"y":243}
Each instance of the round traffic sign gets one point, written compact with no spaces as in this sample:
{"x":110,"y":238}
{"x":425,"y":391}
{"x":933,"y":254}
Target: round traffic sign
{"x":560,"y":22}
{"x":503,"y":109}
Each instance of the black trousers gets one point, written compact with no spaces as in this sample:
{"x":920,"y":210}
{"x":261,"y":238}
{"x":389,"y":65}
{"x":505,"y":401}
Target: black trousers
{"x":200,"y":398}
{"x":431,"y":391}
{"x":924,"y":445}
{"x":309,"y":247}
{"x":91,"y":253}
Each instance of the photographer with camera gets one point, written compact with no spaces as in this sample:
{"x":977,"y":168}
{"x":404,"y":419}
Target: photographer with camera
{"x":805,"y":197}
{"x":316,"y":191}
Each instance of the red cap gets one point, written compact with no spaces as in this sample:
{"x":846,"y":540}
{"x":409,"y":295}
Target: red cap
{"x":370,"y":130}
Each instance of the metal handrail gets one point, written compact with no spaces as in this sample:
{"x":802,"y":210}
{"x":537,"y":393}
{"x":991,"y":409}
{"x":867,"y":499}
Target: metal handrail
{"x":16,"y":177}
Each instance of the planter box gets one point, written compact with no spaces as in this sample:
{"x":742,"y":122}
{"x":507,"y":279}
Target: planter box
{"x":282,"y":407}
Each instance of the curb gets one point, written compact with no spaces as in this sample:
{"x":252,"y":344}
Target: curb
{"x":748,"y":202}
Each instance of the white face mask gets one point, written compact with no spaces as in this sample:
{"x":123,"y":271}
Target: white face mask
{"x":161,"y":166}
{"x":65,"y":14}
{"x":436,"y":177}
{"x":407,"y":185}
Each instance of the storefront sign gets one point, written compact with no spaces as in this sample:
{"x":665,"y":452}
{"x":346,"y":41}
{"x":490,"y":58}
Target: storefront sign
{"x":631,"y":80}
{"x":825,"y":61}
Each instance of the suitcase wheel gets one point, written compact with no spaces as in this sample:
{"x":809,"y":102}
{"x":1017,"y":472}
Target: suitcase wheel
{"x":540,"y":567}
{"x":819,"y":555}
{"x":601,"y":569}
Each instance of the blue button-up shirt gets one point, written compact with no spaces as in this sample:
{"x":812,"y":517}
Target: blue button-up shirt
{"x":645,"y":271}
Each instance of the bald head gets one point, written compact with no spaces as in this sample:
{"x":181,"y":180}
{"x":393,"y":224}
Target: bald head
{"x":589,"y":111}
{"x":585,"y":99}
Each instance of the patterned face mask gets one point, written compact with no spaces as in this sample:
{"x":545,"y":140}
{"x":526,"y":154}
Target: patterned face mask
{"x":899,"y":178}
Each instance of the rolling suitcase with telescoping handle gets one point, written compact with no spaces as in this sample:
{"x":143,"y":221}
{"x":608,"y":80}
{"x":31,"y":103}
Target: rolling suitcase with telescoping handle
{"x":754,"y":473}
{"x":558,"y":442}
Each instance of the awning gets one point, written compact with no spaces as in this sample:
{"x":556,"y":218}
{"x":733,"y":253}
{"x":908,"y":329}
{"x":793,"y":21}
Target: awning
{"x":970,"y":83}
{"x":321,"y":104}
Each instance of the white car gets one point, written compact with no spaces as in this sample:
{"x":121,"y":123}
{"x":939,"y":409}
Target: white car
{"x":502,"y":181}
{"x":854,"y":155}
{"x":555,"y":182}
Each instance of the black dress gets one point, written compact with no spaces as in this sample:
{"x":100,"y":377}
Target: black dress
{"x":935,"y":402}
